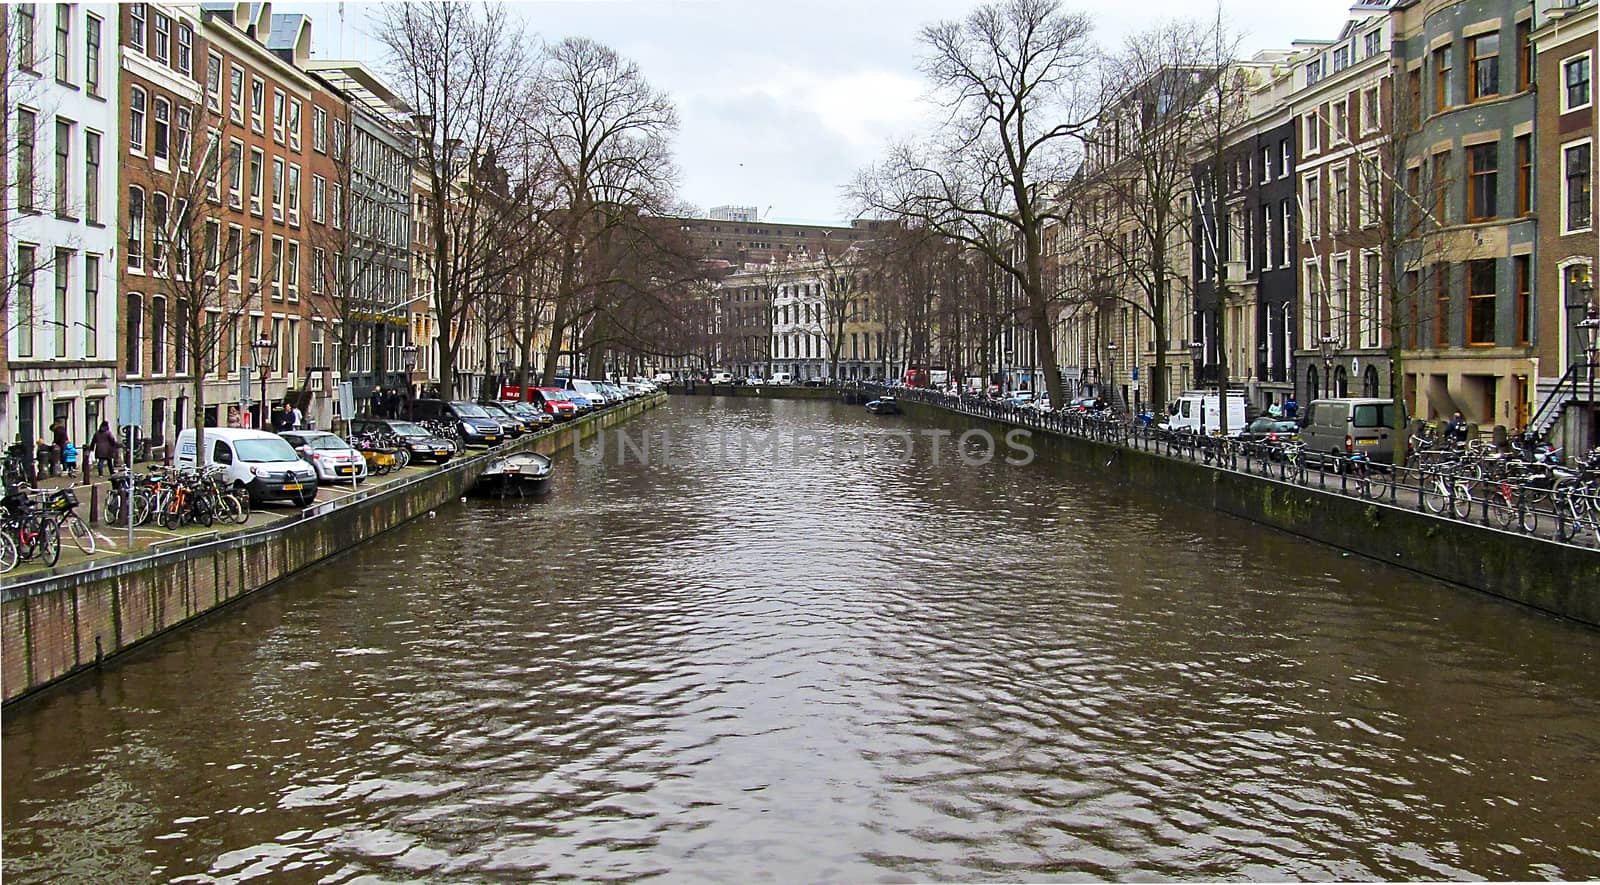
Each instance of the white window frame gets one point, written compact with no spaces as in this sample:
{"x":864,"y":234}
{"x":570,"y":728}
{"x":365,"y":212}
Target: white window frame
{"x":1586,"y":57}
{"x":1313,"y":133}
{"x":1372,"y":305}
{"x":1562,"y":172}
{"x":293,"y":201}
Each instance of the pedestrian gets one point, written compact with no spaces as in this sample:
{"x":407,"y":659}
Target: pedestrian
{"x":59,"y":441}
{"x":1273,"y":409}
{"x":69,"y":458}
{"x":296,"y":418}
{"x":1456,"y":430}
{"x":375,"y":404}
{"x":1291,"y":407}
{"x":391,"y":403}
{"x":104,"y":445}
{"x":233,"y":417}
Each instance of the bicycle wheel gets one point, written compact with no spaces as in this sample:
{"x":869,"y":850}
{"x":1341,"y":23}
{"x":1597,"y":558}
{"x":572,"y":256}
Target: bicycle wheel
{"x":8,"y":552}
{"x":1502,"y":511}
{"x":79,"y":532}
{"x":201,"y":512}
{"x":1461,"y":507}
{"x":143,"y":507}
{"x":112,"y":513}
{"x":49,"y":543}
{"x":1436,"y":495}
{"x":241,"y":505}
{"x":402,"y":458}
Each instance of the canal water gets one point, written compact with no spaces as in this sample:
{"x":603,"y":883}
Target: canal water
{"x":824,"y":659}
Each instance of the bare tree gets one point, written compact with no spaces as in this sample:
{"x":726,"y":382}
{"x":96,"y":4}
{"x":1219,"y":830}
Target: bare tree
{"x":605,"y":131}
{"x":467,"y":70}
{"x":1016,"y":74}
{"x":842,"y":290}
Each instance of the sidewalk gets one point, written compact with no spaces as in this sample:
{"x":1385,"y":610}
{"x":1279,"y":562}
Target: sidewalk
{"x":111,"y":541}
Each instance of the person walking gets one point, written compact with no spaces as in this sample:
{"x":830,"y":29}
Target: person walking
{"x":296,"y":418}
{"x":375,"y":404}
{"x":104,"y":446}
{"x":1456,"y":430}
{"x":59,"y":440}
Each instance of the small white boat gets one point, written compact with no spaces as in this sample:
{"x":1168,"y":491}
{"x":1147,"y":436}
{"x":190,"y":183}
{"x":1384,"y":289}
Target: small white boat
{"x":520,"y":475}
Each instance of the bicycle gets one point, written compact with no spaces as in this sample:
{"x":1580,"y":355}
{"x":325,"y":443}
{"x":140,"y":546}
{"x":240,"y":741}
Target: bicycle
{"x":34,"y":533}
{"x":1447,"y":488}
{"x":63,"y":507}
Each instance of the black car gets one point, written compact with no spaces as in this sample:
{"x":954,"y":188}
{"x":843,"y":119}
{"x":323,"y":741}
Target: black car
{"x":424,"y":446}
{"x":512,"y":424}
{"x":476,"y":426}
{"x":1269,"y":429}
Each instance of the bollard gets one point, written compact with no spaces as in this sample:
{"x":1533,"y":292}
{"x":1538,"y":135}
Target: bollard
{"x":94,"y":503}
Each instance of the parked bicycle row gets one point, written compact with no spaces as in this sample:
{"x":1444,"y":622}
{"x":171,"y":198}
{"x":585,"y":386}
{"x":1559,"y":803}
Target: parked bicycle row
{"x":1525,"y":485}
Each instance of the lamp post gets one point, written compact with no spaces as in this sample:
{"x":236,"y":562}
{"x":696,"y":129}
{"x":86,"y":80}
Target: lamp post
{"x":1325,"y":345}
{"x":1111,"y":366}
{"x":263,"y":349}
{"x":408,"y":358}
{"x":1197,"y":349}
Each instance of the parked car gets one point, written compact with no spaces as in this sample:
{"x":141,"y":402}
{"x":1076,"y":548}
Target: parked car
{"x":721,"y":378}
{"x":262,"y":463}
{"x":511,"y":423}
{"x":589,"y":390}
{"x":333,"y":458}
{"x":532,"y":416}
{"x":474,"y":424}
{"x":1269,"y":429}
{"x":555,"y":403}
{"x":781,"y":378}
{"x":424,"y":446}
{"x":662,"y":378}
{"x":583,"y":404}
{"x":1341,"y":427}
{"x":816,"y":382}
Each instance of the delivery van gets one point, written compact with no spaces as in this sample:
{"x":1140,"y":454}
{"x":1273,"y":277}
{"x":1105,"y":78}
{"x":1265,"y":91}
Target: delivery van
{"x":261,"y":462}
{"x":1197,"y":412}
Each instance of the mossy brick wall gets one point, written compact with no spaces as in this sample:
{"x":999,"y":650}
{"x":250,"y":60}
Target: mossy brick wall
{"x":54,"y":626}
{"x":1557,"y":578}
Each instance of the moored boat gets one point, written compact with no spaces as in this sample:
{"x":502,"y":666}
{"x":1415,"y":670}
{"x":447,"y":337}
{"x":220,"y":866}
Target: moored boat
{"x":515,"y":476}
{"x":884,"y":405}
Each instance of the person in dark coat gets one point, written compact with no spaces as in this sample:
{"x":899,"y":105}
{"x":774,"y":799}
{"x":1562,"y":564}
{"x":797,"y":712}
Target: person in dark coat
{"x":375,"y":404}
{"x":105,"y":447}
{"x":58,"y":441}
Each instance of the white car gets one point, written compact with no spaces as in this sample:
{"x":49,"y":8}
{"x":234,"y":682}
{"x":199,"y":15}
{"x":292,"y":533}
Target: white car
{"x":332,"y":457}
{"x":721,"y":377}
{"x":662,"y":378}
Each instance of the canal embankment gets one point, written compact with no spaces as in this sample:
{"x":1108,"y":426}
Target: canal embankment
{"x":1558,"y":578}
{"x":56,"y":624}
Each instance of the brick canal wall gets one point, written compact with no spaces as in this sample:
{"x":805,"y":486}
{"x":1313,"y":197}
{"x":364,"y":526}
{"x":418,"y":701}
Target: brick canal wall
{"x":1558,"y":578}
{"x":54,"y":626}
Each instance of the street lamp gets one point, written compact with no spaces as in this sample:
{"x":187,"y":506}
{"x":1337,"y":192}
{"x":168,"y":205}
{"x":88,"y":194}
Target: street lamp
{"x":263,"y":350}
{"x":408,"y":358}
{"x":1111,"y":366}
{"x":1197,"y":349}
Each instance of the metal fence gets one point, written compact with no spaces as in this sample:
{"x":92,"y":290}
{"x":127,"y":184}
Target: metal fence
{"x":1560,"y":511}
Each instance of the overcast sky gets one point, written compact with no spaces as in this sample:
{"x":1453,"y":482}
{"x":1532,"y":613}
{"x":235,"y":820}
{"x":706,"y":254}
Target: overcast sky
{"x":781,"y":102}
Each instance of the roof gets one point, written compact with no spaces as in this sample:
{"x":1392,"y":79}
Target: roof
{"x":285,"y":30}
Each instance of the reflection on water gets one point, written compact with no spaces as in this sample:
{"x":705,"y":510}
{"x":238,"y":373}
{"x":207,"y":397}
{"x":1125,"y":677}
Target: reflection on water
{"x":814,"y":665}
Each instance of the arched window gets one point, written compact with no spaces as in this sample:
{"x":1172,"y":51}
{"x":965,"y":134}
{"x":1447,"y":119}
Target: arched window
{"x":135,"y":228}
{"x":1369,"y":381}
{"x":136,"y":106}
{"x":135,"y":330}
{"x":1340,"y":385}
{"x":1313,"y":388}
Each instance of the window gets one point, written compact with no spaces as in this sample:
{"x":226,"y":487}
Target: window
{"x":294,"y":195}
{"x":277,"y":189}
{"x":91,"y":177}
{"x":1339,"y":303}
{"x":91,"y":56}
{"x":180,"y":334}
{"x":258,"y":103}
{"x":91,"y":305}
{"x":335,"y":206}
{"x":63,"y":286}
{"x":135,"y":228}
{"x":1575,"y":79}
{"x":1371,"y":198}
{"x":213,"y":166}
{"x":1341,"y":123}
{"x":257,"y":160}
{"x":1441,"y":305}
{"x":184,"y":145}
{"x":1372,"y":299}
{"x":1480,"y":301}
{"x":255,"y":258}
{"x":1522,"y":269}
{"x":64,"y":43}
{"x":214,"y":82}
{"x":1341,"y":198}
{"x":158,"y":239}
{"x":1285,"y":161}
{"x":1313,"y":133}
{"x":1482,"y":167}
{"x":1313,"y":207}
{"x":1524,"y":54}
{"x":136,"y":109}
{"x":135,"y":26}
{"x":338,"y":139}
{"x":1483,"y":60}
{"x":1443,"y":94}
{"x":27,"y":135}
{"x":1576,"y":188}
{"x":1524,"y":175}
{"x":135,"y":329}
{"x":319,"y":130}
{"x":1266,"y":165}
{"x":1369,"y":109}
{"x":279,"y":114}
{"x":1313,"y":71}
{"x":158,"y":335}
{"x":236,"y":94}
{"x":277,"y":267}
{"x":161,"y":47}
{"x":27,"y":52}
{"x":319,"y":197}
{"x":160,"y":134}
{"x":1440,"y":177}
{"x":1341,"y":58}
{"x":235,"y":256}
{"x":185,"y":49}
{"x":318,"y":268}
{"x":293,"y":270}
{"x":24,"y":298}
{"x":235,"y":171}
{"x":294,"y":124}
{"x":63,"y":168}
{"x":1374,"y":43}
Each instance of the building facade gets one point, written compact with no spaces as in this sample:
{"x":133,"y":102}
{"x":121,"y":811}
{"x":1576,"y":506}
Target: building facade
{"x":61,"y":228}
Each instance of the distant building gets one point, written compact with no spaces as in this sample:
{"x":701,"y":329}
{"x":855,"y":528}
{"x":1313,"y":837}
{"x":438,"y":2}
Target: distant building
{"x":747,"y":242}
{"x":733,"y":213}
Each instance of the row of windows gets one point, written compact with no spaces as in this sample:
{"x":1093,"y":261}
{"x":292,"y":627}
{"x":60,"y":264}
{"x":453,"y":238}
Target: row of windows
{"x":72,"y":194}
{"x":27,"y":23}
{"x":70,"y":324}
{"x":153,"y":36}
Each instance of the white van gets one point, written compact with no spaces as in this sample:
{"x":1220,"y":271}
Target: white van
{"x":261,"y":462}
{"x":1199,"y":413}
{"x":781,"y":378}
{"x":721,"y":377}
